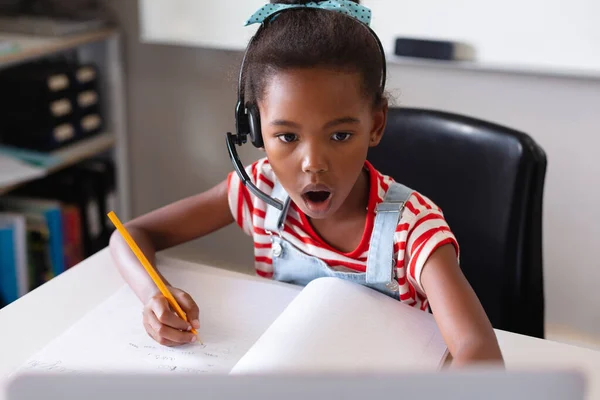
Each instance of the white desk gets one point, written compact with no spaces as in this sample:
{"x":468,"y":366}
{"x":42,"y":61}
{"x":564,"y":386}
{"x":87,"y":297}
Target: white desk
{"x":31,"y":322}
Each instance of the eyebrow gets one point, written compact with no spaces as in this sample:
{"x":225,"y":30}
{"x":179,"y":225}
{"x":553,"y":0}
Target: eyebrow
{"x":330,"y":124}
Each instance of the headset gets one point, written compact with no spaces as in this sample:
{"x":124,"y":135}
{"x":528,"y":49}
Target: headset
{"x":247,"y":123}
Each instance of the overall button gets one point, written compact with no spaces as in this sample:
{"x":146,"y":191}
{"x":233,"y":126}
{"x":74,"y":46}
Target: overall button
{"x":392,"y":285}
{"x":276,"y":249}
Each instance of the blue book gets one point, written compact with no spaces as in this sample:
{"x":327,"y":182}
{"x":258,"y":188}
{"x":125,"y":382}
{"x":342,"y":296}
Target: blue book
{"x":52,"y":213}
{"x":9,"y":283}
{"x":17,"y":224}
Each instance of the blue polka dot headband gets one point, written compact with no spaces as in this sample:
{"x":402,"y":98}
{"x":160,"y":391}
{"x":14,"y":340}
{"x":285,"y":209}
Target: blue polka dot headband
{"x":350,"y":8}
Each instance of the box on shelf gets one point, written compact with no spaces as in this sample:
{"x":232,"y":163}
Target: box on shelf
{"x":49,"y":104}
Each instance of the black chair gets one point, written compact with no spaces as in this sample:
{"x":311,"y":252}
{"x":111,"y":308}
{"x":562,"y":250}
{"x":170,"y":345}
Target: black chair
{"x":489,"y":181}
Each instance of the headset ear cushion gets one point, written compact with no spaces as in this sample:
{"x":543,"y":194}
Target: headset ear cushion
{"x":254,"y":122}
{"x":241,"y":122}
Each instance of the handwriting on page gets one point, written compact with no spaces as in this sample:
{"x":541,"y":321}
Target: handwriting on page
{"x":173,"y":360}
{"x":111,"y":337}
{"x":53,"y":366}
{"x":200,"y":358}
{"x":194,"y":359}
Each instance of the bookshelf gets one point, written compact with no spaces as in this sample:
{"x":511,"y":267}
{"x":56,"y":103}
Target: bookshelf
{"x":60,"y":221}
{"x":104,"y":48}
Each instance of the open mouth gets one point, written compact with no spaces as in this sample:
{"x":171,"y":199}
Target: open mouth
{"x":319,"y":196}
{"x":317,"y":199}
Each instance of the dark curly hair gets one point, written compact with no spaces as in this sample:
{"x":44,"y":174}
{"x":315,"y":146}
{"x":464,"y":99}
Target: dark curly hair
{"x":306,"y":38}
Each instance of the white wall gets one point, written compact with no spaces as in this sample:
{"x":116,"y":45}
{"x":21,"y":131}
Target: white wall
{"x":181,"y":104}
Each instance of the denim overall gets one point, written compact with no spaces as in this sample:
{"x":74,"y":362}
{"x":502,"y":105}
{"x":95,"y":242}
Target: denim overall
{"x":294,"y":266}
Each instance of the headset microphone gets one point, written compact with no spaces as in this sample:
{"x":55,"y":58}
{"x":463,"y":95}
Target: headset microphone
{"x":232,"y":140}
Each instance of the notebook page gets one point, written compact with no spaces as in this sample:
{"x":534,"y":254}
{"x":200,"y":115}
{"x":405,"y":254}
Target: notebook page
{"x":336,"y":325}
{"x":234,"y":312}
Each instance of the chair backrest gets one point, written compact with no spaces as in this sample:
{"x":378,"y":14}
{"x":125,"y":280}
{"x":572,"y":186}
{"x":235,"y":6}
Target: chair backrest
{"x":489,"y":182}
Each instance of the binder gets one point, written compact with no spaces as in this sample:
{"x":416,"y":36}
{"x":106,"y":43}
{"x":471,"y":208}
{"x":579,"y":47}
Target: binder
{"x":101,"y":171}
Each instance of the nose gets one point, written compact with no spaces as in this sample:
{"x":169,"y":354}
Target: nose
{"x":314,"y":159}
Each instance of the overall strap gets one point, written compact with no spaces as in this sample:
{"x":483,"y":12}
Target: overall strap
{"x":274,"y":218}
{"x":380,"y":259}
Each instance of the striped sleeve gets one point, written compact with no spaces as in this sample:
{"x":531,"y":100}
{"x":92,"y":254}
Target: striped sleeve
{"x":423,"y":229}
{"x":240,"y":202}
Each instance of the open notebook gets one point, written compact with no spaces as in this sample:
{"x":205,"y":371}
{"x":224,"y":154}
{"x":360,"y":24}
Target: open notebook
{"x":254,"y":326}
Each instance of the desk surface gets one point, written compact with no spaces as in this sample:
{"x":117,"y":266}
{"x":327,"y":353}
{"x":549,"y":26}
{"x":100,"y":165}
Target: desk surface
{"x":31,"y":322}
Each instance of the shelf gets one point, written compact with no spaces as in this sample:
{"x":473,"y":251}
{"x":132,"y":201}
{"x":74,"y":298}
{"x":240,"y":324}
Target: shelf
{"x":32,"y":47}
{"x":80,"y":151}
{"x":67,"y":156}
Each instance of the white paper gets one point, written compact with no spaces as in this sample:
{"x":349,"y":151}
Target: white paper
{"x":336,"y":325}
{"x":234,"y":312}
{"x":13,"y":171}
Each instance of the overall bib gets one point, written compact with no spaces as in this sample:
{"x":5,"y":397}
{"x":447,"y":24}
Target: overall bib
{"x":294,"y":266}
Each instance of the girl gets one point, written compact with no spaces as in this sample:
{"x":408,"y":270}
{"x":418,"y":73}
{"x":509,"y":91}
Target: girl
{"x":314,"y":78}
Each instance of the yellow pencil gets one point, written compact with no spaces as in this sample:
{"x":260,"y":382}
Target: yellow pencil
{"x":153,"y":274}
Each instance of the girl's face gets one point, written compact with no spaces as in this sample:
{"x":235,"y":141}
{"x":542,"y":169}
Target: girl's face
{"x":317,"y":127}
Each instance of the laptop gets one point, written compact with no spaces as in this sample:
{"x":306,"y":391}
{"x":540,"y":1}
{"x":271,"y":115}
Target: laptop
{"x":448,"y":385}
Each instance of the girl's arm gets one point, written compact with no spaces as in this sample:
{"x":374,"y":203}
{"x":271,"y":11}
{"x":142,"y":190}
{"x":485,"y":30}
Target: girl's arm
{"x":169,"y":226}
{"x":457,"y":310}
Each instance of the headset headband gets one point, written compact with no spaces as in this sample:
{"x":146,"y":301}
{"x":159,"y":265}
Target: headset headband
{"x":322,"y":5}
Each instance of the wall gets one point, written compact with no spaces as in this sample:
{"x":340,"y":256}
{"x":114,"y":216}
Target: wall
{"x":181,"y":104}
{"x":562,"y":116}
{"x":552,"y":35}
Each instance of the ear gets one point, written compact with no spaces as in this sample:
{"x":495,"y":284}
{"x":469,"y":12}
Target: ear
{"x":379,"y":121}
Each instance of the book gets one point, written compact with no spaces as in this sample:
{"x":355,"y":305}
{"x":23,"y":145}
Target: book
{"x":51,"y":211}
{"x":38,"y":250}
{"x":8,"y":46}
{"x":17,"y":224}
{"x":8,"y":267}
{"x":72,"y":187}
{"x":15,"y":171}
{"x":72,"y":238}
{"x":252,"y":326}
{"x":14,"y":276}
{"x":39,"y":161}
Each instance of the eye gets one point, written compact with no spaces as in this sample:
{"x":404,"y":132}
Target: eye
{"x":287,"y":137}
{"x":341,"y":136}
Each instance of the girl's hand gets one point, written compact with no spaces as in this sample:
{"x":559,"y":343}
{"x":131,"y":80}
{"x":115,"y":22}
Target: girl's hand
{"x":164,"y":325}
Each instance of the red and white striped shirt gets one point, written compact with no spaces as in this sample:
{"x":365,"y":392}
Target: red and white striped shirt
{"x":421,"y":230}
